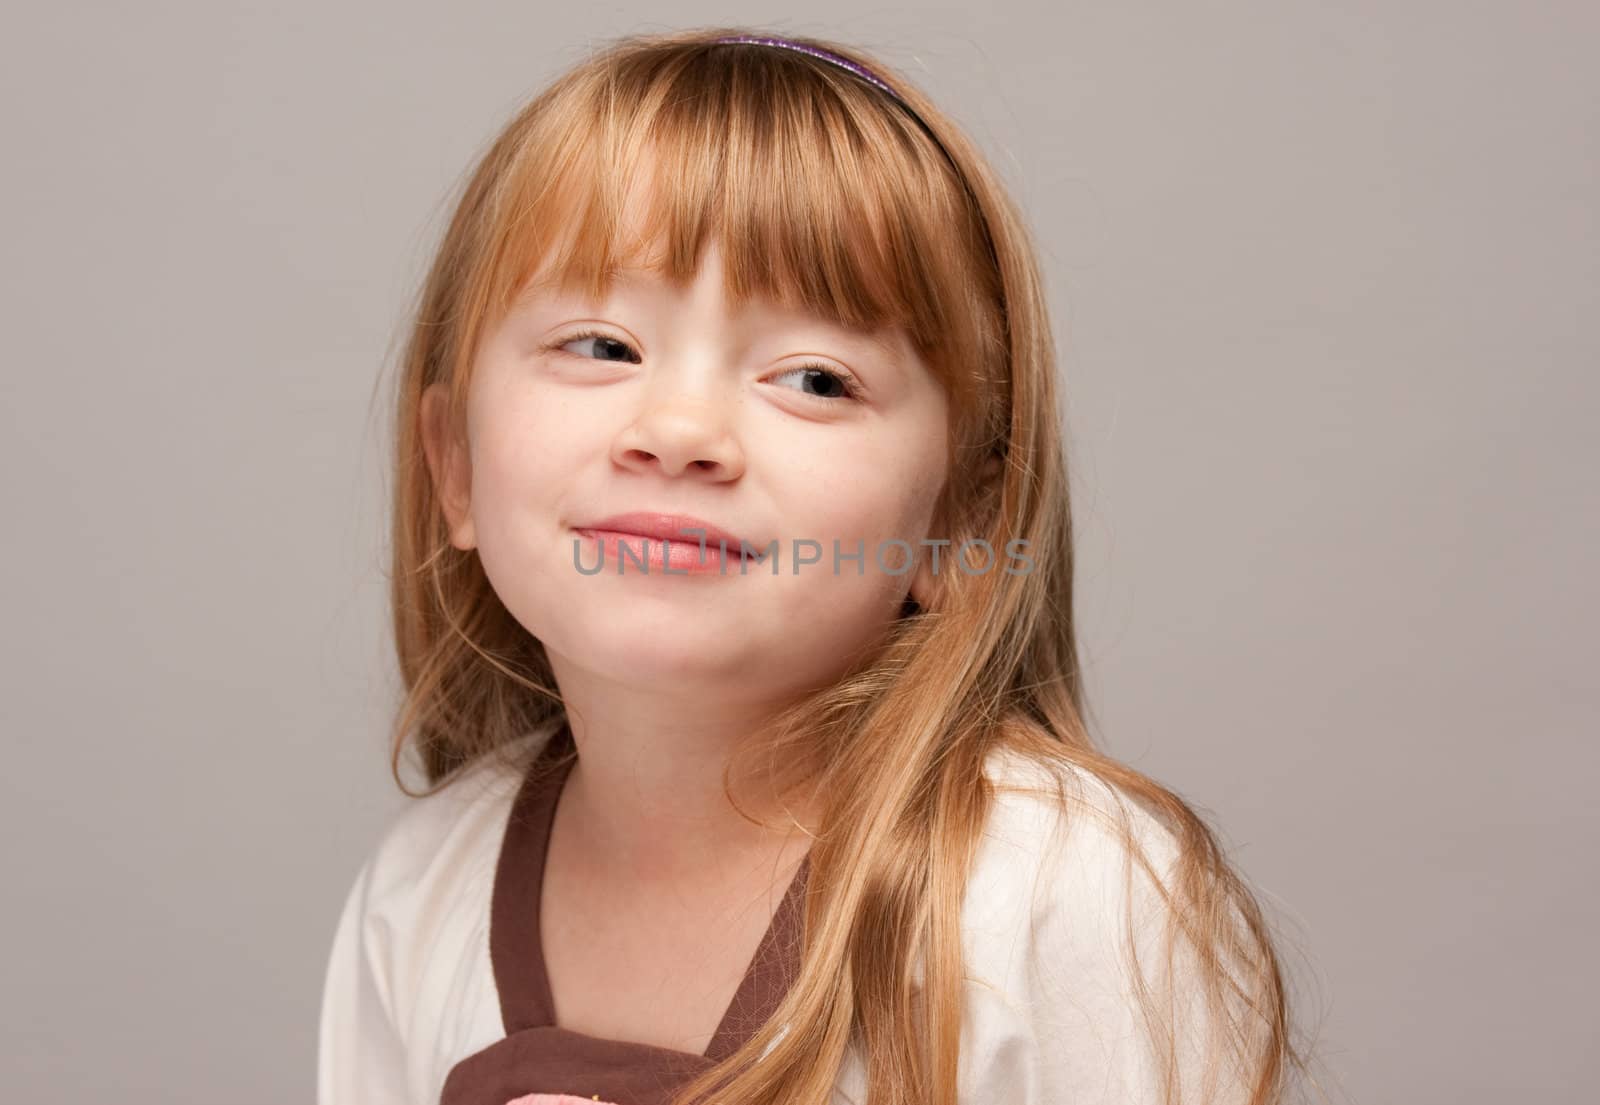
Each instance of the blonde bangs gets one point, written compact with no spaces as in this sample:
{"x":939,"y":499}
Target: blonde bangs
{"x":820,"y":200}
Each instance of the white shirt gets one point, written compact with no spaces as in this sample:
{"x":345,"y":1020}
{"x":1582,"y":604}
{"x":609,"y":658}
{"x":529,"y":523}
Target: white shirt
{"x":1050,"y":1016}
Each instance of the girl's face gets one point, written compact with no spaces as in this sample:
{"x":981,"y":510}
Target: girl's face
{"x":683,"y":406}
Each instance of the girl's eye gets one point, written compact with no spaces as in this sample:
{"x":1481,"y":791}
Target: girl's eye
{"x":837,"y":385}
{"x":834,"y":383}
{"x":612,"y":349}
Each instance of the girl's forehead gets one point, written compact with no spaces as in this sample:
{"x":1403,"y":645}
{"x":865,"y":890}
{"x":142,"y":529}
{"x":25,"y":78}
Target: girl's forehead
{"x":637,"y":279}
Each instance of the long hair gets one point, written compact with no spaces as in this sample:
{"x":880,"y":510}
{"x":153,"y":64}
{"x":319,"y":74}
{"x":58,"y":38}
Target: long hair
{"x":824,"y":195}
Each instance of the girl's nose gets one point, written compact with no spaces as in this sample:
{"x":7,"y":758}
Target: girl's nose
{"x":681,"y":433}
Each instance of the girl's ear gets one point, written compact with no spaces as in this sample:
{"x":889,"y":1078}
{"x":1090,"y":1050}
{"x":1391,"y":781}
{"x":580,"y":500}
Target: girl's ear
{"x":451,"y":472}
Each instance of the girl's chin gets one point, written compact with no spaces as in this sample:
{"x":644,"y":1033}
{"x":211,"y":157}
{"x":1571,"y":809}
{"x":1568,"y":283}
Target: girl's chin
{"x":671,"y":667}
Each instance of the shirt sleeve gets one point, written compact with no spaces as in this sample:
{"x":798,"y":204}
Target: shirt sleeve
{"x":361,"y":1058}
{"x":1060,"y":1019}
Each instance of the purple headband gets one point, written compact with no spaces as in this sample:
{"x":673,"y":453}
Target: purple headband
{"x":852,"y":67}
{"x":826,"y":55}
{"x":873,"y":79}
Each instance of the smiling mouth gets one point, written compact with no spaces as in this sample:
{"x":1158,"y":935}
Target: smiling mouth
{"x":677,"y":554}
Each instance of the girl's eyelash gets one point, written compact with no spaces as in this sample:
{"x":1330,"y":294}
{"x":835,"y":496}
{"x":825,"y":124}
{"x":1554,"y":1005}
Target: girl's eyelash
{"x":581,"y":335}
{"x":852,"y":389}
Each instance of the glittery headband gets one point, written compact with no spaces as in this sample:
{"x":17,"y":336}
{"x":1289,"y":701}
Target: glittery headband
{"x":873,"y":79}
{"x":844,"y":63}
{"x":826,"y":55}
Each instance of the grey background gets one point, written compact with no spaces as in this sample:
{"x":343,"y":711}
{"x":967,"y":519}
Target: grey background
{"x":1325,"y":281}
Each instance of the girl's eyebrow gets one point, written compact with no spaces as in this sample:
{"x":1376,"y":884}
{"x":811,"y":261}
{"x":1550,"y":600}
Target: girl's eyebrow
{"x":550,"y":284}
{"x":889,"y":349}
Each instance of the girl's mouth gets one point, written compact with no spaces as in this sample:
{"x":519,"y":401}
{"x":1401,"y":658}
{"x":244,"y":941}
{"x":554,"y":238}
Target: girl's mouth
{"x":632,"y":553}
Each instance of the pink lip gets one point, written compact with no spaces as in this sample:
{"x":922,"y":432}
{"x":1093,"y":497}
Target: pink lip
{"x":681,"y":530}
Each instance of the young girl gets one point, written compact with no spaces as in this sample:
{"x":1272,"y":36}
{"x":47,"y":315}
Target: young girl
{"x":733,"y":596}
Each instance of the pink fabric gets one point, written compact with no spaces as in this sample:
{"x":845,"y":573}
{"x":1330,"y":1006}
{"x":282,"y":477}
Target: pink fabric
{"x":556,"y":1099}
